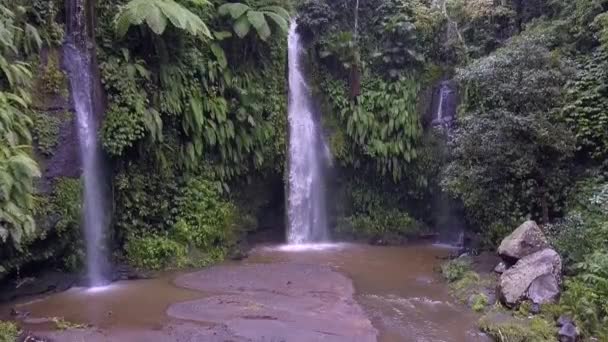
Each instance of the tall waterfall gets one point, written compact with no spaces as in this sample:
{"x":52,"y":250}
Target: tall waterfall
{"x":308,"y":157}
{"x":78,"y":60}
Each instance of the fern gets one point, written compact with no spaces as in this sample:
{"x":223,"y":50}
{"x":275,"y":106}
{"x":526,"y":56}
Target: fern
{"x":245,"y":17}
{"x":17,"y":168}
{"x":157,"y":14}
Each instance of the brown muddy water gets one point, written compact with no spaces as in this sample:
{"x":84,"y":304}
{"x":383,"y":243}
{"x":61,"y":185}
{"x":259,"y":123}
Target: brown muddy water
{"x":398,"y":287}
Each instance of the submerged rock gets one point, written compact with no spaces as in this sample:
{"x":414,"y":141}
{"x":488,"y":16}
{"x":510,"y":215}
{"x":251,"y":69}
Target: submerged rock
{"x":515,"y":282}
{"x":525,"y":240}
{"x":277,"y":302}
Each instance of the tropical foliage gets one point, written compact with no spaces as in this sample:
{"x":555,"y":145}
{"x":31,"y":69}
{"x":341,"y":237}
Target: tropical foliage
{"x":246,"y":17}
{"x":157,"y":14}
{"x":17,"y":169}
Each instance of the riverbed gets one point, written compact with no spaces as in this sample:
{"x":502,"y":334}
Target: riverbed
{"x":332,"y":292}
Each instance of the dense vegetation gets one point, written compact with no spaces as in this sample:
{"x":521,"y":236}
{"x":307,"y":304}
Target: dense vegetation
{"x":195,"y":126}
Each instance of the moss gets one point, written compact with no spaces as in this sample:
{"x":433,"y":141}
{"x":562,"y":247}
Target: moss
{"x":53,"y":79}
{"x":479,"y":303}
{"x":66,"y":203}
{"x":8,"y":331}
{"x":503,"y":327}
{"x":46,"y":130}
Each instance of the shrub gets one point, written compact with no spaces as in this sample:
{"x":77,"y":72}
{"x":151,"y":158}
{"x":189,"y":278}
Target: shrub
{"x":390,"y":225}
{"x":585,"y":227}
{"x":585,"y":297}
{"x":456,"y":269}
{"x":154,"y":252}
{"x":479,"y":302}
{"x":204,"y":221}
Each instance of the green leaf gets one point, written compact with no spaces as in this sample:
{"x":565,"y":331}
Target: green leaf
{"x":156,"y":21}
{"x":236,"y":10}
{"x":219,"y":54}
{"x":242,"y":26}
{"x":259,"y":22}
{"x":281,"y":22}
{"x":278,"y":10}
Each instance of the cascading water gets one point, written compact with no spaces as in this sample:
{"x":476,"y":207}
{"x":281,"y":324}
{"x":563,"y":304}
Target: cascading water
{"x":446,"y":105}
{"x":308,"y":157}
{"x":78,"y":62}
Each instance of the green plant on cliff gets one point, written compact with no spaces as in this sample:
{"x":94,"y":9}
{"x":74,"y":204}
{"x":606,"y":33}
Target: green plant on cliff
{"x":17,"y":169}
{"x":204,"y":222}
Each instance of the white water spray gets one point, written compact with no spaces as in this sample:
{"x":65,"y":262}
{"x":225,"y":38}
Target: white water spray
{"x":308,"y":157}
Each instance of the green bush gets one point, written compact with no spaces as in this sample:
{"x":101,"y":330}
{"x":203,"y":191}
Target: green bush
{"x":479,"y":303}
{"x":8,"y":332}
{"x":155,"y":252}
{"x":585,"y":227}
{"x":585,"y":297}
{"x":389,"y":225}
{"x":204,"y":221}
{"x":456,"y":269}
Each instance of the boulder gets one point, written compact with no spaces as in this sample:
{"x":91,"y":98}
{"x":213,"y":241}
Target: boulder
{"x":568,"y":332}
{"x":515,"y":282}
{"x":500,"y":268}
{"x":525,"y":240}
{"x":544,"y":289}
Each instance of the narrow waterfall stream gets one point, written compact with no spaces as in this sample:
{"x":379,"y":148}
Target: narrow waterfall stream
{"x":78,"y":62}
{"x":308,"y":157}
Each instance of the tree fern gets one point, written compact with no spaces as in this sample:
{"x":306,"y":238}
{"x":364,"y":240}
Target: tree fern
{"x":157,"y":14}
{"x":245,"y":17}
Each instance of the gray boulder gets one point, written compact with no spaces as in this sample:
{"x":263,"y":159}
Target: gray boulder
{"x":500,"y":268}
{"x":515,"y":282}
{"x":525,"y":240}
{"x":544,"y":289}
{"x":568,"y":332}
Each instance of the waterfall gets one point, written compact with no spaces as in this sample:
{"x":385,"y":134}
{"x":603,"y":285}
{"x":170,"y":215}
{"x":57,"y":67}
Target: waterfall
{"x":308,"y":157}
{"x":445,"y":111}
{"x":78,"y":61}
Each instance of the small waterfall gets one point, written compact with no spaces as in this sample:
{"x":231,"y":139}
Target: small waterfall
{"x":446,"y":103}
{"x":308,"y":157}
{"x":78,"y":61}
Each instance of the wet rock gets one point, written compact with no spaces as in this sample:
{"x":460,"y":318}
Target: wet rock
{"x":563,"y":320}
{"x":515,"y":282}
{"x":568,"y":332}
{"x":525,"y":240}
{"x":535,"y":309}
{"x":47,"y":282}
{"x":500,"y":268}
{"x":378,"y":242}
{"x":277,"y":302}
{"x":544,"y":289}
